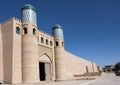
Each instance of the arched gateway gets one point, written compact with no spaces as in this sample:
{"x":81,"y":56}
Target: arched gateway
{"x":45,"y":70}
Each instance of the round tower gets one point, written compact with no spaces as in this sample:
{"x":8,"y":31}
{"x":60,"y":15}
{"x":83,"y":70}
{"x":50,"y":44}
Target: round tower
{"x":59,"y":52}
{"x":30,"y":64}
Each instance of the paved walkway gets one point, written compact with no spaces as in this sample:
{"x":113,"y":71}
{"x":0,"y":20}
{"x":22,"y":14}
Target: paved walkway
{"x":75,"y":82}
{"x":107,"y":79}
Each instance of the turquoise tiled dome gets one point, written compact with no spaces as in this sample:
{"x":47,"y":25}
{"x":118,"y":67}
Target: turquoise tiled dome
{"x":57,"y":26}
{"x":57,"y":31}
{"x":29,"y":14}
{"x":28,"y":6}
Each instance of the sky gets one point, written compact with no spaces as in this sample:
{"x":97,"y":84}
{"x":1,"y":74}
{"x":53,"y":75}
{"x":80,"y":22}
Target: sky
{"x":91,"y":27}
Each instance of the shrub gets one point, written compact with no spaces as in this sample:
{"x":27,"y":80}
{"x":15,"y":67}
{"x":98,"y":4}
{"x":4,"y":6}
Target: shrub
{"x":117,"y":66}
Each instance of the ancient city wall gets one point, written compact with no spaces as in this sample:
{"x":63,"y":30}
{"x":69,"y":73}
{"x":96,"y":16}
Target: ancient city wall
{"x":11,"y":51}
{"x":17,"y":54}
{"x":7,"y":37}
{"x":76,"y":65}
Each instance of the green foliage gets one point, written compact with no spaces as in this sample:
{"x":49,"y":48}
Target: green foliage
{"x":117,"y":66}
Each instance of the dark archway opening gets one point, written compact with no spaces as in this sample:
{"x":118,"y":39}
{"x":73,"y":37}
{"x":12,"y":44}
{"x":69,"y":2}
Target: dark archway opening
{"x":42,"y":71}
{"x":34,"y":31}
{"x":25,"y":30}
{"x":57,"y":44}
{"x":17,"y":30}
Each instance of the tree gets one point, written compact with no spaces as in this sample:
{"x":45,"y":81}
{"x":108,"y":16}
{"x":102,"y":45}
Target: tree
{"x":117,"y":66}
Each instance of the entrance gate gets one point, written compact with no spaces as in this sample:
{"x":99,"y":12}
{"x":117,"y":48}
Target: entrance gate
{"x":42,"y":71}
{"x":44,"y":68}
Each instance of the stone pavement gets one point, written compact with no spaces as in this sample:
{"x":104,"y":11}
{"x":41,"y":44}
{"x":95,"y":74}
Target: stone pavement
{"x":75,"y":82}
{"x":107,"y":79}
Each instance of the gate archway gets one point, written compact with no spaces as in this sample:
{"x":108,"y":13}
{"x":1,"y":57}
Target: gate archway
{"x":45,"y":68}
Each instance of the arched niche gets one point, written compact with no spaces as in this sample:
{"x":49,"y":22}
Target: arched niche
{"x":45,"y":68}
{"x":45,"y":58}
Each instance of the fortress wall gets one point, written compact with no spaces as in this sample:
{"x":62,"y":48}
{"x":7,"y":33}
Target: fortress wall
{"x":1,"y":56}
{"x":7,"y":37}
{"x":95,"y":67}
{"x":76,"y":65}
{"x":73,"y":65}
{"x":92,"y":67}
{"x":11,"y":51}
{"x":17,"y":73}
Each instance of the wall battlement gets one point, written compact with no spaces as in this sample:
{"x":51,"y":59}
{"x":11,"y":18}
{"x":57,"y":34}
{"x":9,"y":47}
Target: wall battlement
{"x":16,"y":19}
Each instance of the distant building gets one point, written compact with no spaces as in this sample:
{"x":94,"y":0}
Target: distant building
{"x":29,"y":55}
{"x":109,"y":68}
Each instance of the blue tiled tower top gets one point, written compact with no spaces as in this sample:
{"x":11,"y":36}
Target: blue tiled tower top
{"x":57,"y":26}
{"x":57,"y":31}
{"x":28,"y":6}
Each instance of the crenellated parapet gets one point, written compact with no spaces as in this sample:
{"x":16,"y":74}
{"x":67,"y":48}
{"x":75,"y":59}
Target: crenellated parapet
{"x":16,"y":19}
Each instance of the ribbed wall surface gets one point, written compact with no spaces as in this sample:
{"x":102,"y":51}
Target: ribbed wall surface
{"x":60,"y":63}
{"x":59,"y":53}
{"x":30,"y":64}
